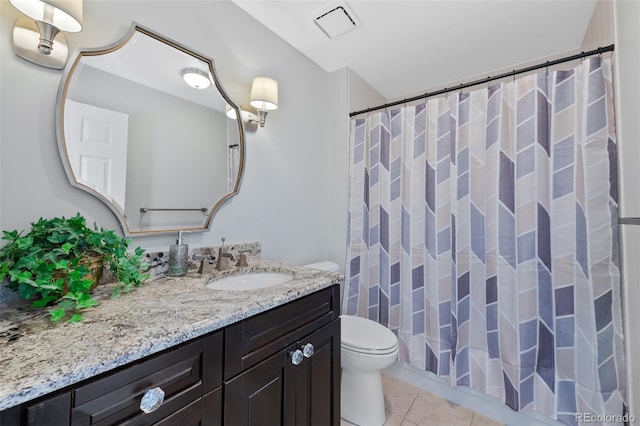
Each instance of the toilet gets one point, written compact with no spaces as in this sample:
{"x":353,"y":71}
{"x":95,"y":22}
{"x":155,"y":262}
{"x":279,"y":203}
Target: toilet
{"x":366,"y":348}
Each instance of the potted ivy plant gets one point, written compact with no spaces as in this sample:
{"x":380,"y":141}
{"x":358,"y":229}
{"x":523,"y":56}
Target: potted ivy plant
{"x":60,"y":260}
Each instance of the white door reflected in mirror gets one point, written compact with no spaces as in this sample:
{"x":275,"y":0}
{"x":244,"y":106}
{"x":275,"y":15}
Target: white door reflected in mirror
{"x":97,"y":142}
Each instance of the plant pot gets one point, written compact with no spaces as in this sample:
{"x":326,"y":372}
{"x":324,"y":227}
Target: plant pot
{"x":94,"y":262}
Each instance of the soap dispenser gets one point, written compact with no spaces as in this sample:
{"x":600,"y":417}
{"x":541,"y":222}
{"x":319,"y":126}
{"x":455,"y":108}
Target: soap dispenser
{"x":178,"y":258}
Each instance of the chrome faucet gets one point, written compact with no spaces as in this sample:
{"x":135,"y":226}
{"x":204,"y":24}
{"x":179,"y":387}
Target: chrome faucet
{"x":220,"y":265}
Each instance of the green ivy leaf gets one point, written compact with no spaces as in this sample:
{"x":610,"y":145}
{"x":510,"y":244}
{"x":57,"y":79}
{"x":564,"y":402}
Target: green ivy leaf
{"x":86,"y":302}
{"x":49,"y":286}
{"x":56,"y":314}
{"x":23,"y":242}
{"x":66,"y":248}
{"x":67,"y":304}
{"x":24,"y":277}
{"x":10,"y":235}
{"x":75,"y":318}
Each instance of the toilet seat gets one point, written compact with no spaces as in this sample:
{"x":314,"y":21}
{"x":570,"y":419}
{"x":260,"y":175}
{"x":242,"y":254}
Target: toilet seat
{"x":370,"y":351}
{"x":366,"y":336}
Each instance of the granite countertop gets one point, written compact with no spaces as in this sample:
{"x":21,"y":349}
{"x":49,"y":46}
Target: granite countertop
{"x":38,"y":357}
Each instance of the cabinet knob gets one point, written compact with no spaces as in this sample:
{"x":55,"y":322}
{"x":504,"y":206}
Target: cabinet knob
{"x":308,"y":350}
{"x":152,"y":400}
{"x":296,"y":357}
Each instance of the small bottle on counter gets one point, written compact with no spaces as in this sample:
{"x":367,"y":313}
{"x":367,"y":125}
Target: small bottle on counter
{"x":178,"y":258}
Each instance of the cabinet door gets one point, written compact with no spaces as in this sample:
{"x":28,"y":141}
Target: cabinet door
{"x":258,"y":396}
{"x":50,"y":411}
{"x":279,"y":392}
{"x":318,"y":379}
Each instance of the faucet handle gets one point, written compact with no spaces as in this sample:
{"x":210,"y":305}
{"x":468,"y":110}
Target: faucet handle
{"x":243,"y":258}
{"x":205,"y":264}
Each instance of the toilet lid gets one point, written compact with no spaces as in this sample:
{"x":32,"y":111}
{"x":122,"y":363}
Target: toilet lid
{"x":364,"y":335}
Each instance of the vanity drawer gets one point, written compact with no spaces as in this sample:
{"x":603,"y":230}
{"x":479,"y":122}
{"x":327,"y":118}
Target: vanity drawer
{"x":254,"y":339}
{"x":184,"y":374}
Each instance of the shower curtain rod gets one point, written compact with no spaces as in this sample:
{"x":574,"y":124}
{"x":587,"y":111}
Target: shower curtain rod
{"x":487,"y":79}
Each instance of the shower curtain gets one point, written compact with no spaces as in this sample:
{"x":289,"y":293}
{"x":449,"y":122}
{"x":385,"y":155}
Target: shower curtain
{"x":483,"y":232}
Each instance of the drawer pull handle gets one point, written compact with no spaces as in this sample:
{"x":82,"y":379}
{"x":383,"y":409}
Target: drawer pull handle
{"x":296,"y":357}
{"x":152,"y":400}
{"x":308,"y":350}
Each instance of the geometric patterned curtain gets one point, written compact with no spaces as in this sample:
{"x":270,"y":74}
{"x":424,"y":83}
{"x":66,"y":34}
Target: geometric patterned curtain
{"x":483,"y":232}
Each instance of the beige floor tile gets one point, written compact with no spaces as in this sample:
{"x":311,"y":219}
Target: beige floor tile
{"x":398,"y":395}
{"x":393,"y":420}
{"x":407,"y":405}
{"x":480,"y":420}
{"x":429,"y":410}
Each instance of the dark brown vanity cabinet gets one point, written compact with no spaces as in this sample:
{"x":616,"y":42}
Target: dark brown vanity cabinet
{"x":284,"y":365}
{"x":280,"y":367}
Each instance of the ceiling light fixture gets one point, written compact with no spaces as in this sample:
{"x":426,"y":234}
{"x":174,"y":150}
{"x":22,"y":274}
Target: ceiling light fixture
{"x":196,"y":78}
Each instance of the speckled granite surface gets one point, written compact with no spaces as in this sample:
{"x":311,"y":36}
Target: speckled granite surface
{"x":37,"y":357}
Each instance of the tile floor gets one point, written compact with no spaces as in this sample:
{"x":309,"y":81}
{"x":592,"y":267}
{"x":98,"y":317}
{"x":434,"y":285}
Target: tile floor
{"x":407,"y":405}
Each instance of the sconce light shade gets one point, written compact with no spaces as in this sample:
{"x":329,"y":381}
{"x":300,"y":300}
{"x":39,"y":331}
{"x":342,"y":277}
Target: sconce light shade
{"x":231,"y":113}
{"x":65,"y":15}
{"x":264,"y":96}
{"x":51,"y":17}
{"x":196,"y":78}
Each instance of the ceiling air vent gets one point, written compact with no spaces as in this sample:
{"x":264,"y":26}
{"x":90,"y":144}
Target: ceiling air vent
{"x":336,"y":21}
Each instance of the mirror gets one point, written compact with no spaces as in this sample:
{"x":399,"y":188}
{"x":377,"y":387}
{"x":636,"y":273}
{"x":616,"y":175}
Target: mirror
{"x":162,"y":154}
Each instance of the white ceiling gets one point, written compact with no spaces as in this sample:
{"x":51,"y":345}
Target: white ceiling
{"x":407,"y":47}
{"x":149,"y":62}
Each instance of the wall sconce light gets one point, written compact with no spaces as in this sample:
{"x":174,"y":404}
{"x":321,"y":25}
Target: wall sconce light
{"x":196,"y":78}
{"x":264,"y":96}
{"x":249,"y":114}
{"x":34,"y":41}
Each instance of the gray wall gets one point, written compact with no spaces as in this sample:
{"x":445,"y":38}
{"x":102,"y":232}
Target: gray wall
{"x":285,"y":199}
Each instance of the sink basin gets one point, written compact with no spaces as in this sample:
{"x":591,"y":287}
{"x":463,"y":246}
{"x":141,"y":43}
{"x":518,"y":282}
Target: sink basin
{"x":250,"y":281}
